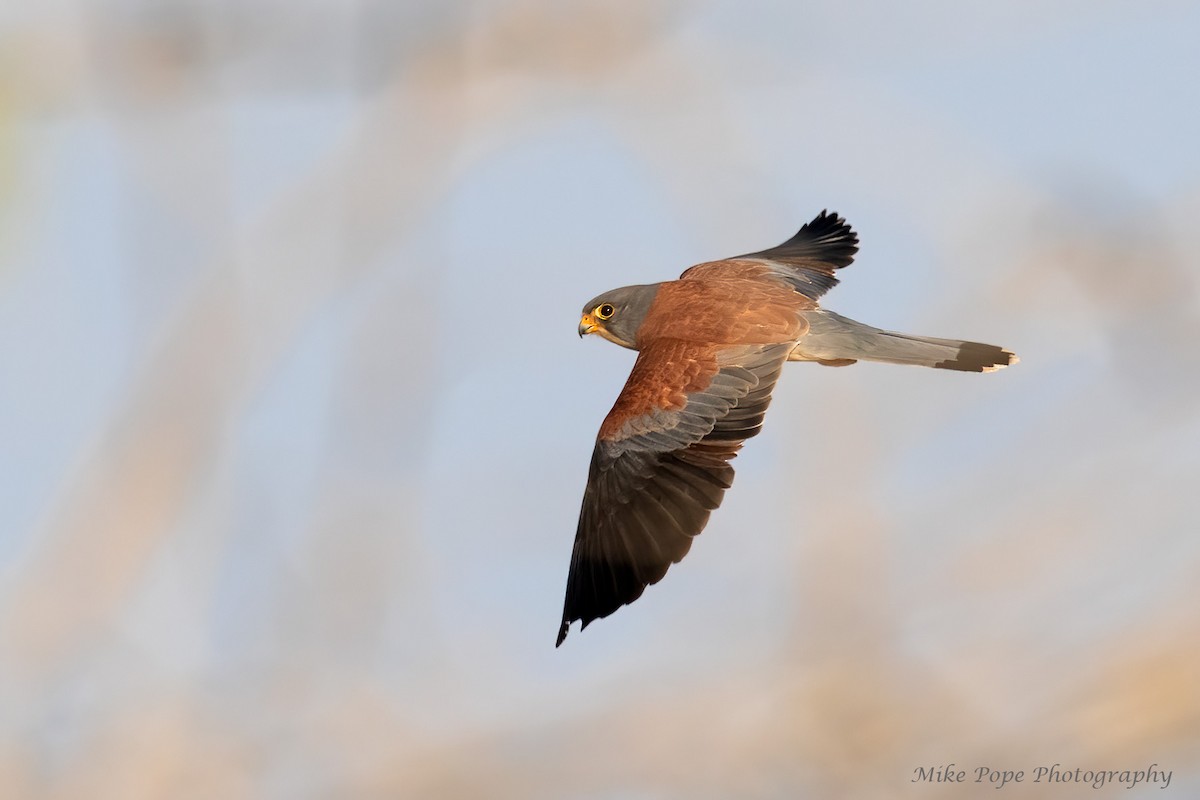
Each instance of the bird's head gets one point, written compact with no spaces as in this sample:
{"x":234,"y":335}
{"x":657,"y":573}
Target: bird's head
{"x":618,"y":314}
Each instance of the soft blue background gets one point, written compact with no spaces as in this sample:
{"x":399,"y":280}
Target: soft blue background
{"x":295,"y":422}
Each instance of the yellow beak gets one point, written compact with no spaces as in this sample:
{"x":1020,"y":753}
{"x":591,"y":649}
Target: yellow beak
{"x":587,"y":325}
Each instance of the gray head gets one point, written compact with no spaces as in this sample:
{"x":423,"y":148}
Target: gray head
{"x":616,"y":315}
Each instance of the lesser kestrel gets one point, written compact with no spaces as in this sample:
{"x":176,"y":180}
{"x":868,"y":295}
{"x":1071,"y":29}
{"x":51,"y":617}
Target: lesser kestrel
{"x":710,"y":347}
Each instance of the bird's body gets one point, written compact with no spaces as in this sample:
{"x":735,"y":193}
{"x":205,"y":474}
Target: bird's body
{"x":753,"y":311}
{"x":710,"y":348}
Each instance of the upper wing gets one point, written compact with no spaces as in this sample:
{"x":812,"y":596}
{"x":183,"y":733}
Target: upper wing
{"x":661,"y":464}
{"x":806,"y":261}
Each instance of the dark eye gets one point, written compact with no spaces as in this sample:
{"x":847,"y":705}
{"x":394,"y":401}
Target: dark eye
{"x":605,"y":311}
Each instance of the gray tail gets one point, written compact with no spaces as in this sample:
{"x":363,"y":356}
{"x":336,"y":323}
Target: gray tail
{"x":837,"y":340}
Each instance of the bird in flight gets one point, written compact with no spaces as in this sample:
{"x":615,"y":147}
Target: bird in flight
{"x":710,"y":347}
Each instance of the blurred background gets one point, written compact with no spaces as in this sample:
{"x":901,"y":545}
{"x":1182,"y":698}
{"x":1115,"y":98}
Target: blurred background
{"x":295,"y":423}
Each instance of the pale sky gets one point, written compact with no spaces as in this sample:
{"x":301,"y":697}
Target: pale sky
{"x":297,"y":424}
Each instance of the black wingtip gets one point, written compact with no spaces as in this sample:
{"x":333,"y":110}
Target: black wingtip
{"x":827,"y":238}
{"x":830,"y":235}
{"x":562,"y":633}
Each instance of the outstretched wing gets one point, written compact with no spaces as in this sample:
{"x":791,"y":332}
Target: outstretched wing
{"x":661,"y":465}
{"x":806,"y":261}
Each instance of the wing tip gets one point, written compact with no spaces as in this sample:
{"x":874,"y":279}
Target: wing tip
{"x":833,"y":234}
{"x":826,"y":238}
